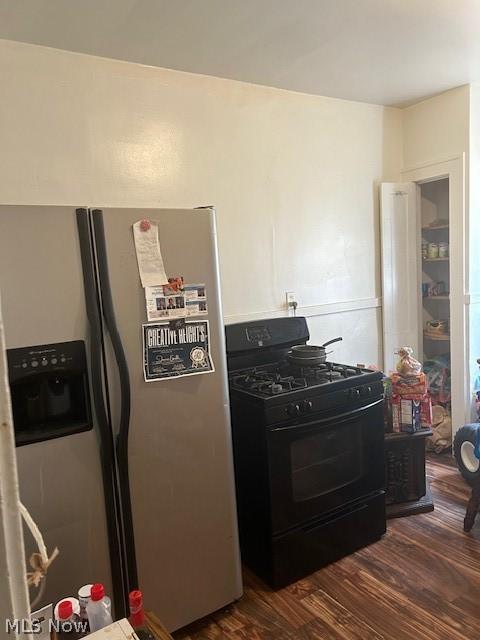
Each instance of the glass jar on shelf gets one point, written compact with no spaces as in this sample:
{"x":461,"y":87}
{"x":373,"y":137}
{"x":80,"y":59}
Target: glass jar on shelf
{"x":443,"y":249}
{"x":432,"y":250}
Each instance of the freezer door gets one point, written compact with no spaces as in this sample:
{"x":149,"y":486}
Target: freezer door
{"x":60,"y":479}
{"x":180,"y":457}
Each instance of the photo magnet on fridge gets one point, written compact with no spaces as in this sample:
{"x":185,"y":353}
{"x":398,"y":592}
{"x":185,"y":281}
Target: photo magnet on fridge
{"x":196,"y":299}
{"x":175,"y":300}
{"x":176,"y":351}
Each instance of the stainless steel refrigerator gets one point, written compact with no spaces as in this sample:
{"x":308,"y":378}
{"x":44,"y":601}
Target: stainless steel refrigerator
{"x":132,"y":480}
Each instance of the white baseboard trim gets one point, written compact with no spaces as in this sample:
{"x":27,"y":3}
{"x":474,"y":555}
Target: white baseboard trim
{"x":309,"y":311}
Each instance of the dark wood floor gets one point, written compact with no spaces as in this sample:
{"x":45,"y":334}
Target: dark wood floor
{"x":421,"y":581}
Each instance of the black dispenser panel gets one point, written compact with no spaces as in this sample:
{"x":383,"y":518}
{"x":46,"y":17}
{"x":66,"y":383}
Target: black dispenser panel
{"x":49,"y":390}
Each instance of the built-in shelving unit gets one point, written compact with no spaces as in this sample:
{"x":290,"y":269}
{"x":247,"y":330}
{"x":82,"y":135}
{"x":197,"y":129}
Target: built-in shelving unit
{"x":435,"y":227}
{"x":435,"y":274}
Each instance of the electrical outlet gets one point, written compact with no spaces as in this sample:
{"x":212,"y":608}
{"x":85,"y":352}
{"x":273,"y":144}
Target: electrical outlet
{"x":291,"y":298}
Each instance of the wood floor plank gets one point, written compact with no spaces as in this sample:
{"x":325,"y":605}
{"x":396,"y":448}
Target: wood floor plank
{"x":205,"y":631}
{"x":410,"y":566}
{"x":417,"y":578}
{"x":282,"y":601}
{"x":369,"y":605}
{"x":420,"y":582}
{"x":256,"y":619}
{"x":395,"y":614}
{"x":318,"y":630}
{"x":338,"y":618}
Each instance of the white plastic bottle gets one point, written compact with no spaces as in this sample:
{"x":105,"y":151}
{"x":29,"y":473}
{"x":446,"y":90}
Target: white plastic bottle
{"x":83,"y":600}
{"x":98,"y":608}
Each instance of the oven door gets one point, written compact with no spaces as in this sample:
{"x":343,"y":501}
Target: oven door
{"x":319,"y":466}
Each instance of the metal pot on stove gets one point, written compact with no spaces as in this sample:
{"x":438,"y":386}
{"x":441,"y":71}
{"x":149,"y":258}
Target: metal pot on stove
{"x":309,"y":355}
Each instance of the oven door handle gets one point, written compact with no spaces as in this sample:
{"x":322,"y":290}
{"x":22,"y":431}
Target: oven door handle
{"x":336,"y":517}
{"x":340,"y":417}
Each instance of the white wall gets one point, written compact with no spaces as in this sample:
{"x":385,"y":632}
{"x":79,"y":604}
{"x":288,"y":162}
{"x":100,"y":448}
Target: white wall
{"x":436,"y":129}
{"x":293,"y":176}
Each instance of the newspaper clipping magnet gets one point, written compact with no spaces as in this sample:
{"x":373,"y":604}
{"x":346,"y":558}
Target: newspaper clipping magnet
{"x":175,"y":300}
{"x":175,"y":351}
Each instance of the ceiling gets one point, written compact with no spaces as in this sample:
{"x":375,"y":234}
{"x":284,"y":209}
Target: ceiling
{"x":391,"y":52}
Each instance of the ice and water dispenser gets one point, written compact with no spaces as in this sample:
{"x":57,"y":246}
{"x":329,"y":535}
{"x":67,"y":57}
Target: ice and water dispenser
{"x":49,"y":391}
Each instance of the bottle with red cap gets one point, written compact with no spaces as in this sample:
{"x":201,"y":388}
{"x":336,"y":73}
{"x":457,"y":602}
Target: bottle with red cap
{"x":99,"y":609}
{"x":69,"y":625}
{"x":137,"y":616}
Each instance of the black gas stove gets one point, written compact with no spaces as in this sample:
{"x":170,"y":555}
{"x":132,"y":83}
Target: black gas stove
{"x":308,"y":446}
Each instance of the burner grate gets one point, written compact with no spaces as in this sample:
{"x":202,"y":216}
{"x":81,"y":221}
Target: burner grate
{"x":328,"y":372}
{"x":283,"y":377}
{"x":268,"y":382}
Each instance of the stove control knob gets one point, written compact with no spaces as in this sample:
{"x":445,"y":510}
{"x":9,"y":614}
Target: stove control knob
{"x":307,"y":405}
{"x":366,"y":391}
{"x":355,"y":394}
{"x":293,"y":409}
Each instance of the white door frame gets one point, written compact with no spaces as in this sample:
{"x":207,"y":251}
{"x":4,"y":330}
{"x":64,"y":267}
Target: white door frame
{"x":454,"y":170}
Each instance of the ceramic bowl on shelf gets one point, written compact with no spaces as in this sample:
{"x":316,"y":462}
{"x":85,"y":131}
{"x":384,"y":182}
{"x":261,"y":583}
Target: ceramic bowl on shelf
{"x":436,"y":327}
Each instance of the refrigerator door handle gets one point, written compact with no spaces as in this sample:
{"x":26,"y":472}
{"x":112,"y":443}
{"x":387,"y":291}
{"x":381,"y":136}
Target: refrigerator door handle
{"x":124,"y":377}
{"x":107,"y":452}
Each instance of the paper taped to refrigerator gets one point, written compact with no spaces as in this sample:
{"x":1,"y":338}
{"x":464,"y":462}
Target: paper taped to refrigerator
{"x":149,"y":256}
{"x":180,"y":301}
{"x":175,"y":352}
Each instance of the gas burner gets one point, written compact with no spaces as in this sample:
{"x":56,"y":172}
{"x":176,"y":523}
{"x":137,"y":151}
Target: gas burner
{"x":321,"y":374}
{"x":268,"y":382}
{"x":315,"y":376}
{"x":335,"y":374}
{"x":350,"y":371}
